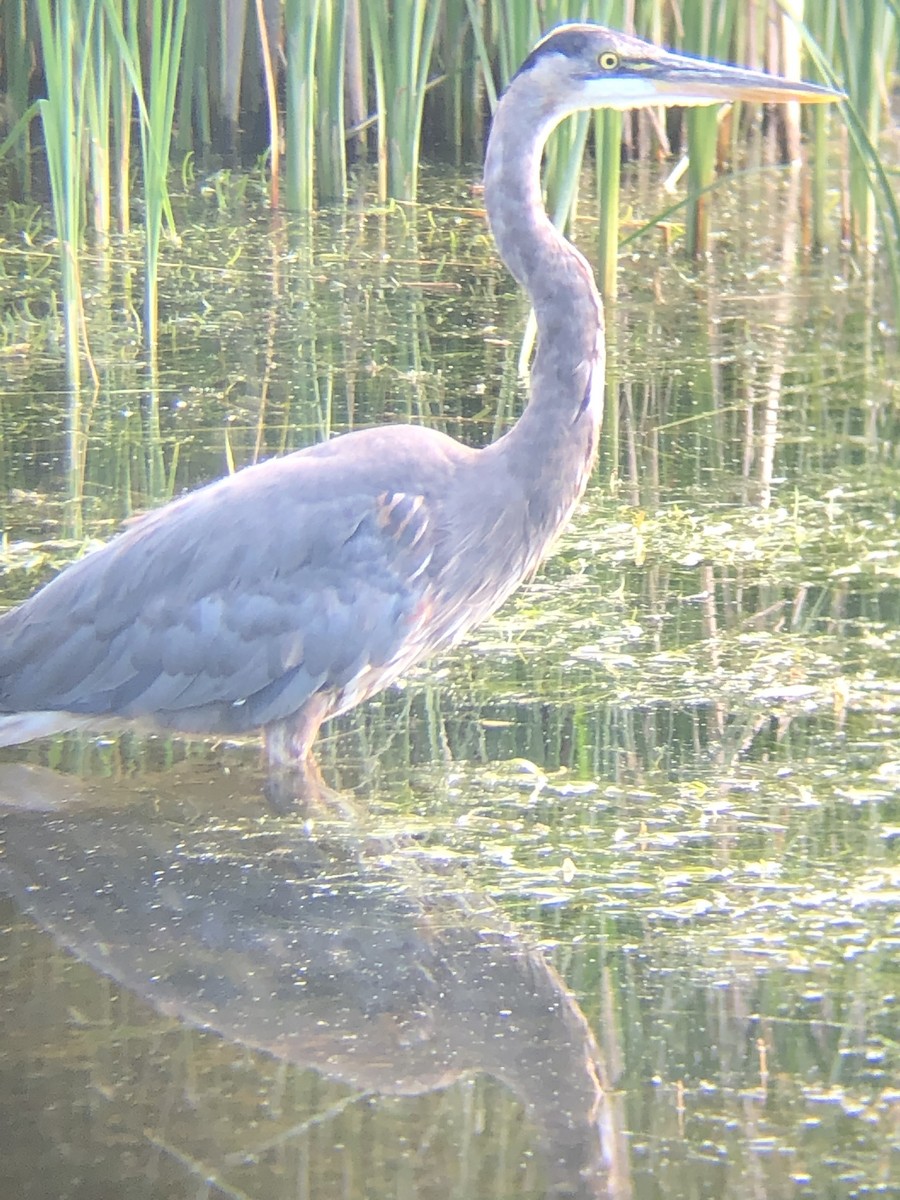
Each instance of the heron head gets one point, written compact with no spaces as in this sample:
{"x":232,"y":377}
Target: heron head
{"x":589,"y":66}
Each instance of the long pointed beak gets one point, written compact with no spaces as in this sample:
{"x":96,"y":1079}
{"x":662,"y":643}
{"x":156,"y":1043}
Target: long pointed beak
{"x":679,"y":79}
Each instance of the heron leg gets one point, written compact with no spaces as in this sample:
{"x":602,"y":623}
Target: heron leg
{"x":293,"y":773}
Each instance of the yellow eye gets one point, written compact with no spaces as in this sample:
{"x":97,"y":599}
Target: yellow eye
{"x":608,"y":60}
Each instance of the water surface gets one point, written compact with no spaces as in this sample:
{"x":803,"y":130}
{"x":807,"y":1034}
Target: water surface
{"x":611,"y":903}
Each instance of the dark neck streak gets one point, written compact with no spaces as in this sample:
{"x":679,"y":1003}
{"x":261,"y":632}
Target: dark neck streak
{"x":555,"y":440}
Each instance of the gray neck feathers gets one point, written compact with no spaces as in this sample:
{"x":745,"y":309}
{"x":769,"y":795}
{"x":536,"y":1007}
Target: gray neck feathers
{"x":559,"y":282}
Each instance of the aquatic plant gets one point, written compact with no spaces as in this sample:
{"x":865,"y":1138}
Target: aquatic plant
{"x":199,"y":77}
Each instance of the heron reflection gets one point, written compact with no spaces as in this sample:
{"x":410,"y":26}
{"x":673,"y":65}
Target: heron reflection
{"x":344,"y":952}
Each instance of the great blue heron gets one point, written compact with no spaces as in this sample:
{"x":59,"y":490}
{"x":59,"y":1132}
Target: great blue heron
{"x":296,"y":588}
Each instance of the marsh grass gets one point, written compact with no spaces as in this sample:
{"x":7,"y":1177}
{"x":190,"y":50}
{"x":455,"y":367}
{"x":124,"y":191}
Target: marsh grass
{"x":166,"y":34}
{"x":17,"y":30}
{"x":301,"y":24}
{"x":362,"y":80}
{"x":402,"y":40}
{"x":855,"y":47}
{"x":708,"y":34}
{"x":65,"y":47}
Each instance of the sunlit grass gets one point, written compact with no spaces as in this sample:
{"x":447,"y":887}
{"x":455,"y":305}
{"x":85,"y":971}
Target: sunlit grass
{"x":18,"y":22}
{"x":66,"y":50}
{"x":441,"y":63}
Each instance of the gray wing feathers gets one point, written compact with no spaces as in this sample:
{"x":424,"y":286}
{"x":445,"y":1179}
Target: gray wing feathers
{"x":225,"y":611}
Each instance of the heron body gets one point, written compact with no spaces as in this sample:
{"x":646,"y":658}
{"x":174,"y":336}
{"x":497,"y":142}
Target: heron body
{"x":293,"y":590}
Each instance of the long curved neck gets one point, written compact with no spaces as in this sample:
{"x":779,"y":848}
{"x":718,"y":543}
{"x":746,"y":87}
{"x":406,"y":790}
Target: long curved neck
{"x":562,"y":420}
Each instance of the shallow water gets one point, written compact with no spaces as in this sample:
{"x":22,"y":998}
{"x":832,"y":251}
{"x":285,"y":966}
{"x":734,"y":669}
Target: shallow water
{"x":611,"y":903}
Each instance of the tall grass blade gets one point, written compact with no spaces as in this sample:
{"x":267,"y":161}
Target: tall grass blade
{"x":868,"y":162}
{"x":166,"y":32}
{"x":232,"y":30}
{"x":194,"y":125}
{"x":301,"y":18}
{"x":122,"y":94}
{"x":707,"y":32}
{"x":608,"y":142}
{"x":417,"y":40}
{"x":65,"y":45}
{"x":402,"y":42}
{"x":477,"y":25}
{"x":271,"y":103}
{"x":98,"y":103}
{"x":356,"y":104}
{"x":376,"y":26}
{"x":17,"y":44}
{"x":331,"y":158}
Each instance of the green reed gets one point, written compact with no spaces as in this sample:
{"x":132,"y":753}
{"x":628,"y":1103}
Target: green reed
{"x":857,"y":47}
{"x":864,"y":28}
{"x":707,"y":32}
{"x":121,"y":103}
{"x":819,"y":39}
{"x":373,"y":65}
{"x":859,"y":42}
{"x":459,"y":55}
{"x":98,"y":80}
{"x":155,"y":91}
{"x":330,"y":155}
{"x":18,"y":36}
{"x":271,"y":87}
{"x":65,"y":45}
{"x":301,"y":19}
{"x":356,"y":103}
{"x":402,"y":40}
{"x":194,"y":125}
{"x":608,"y":161}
